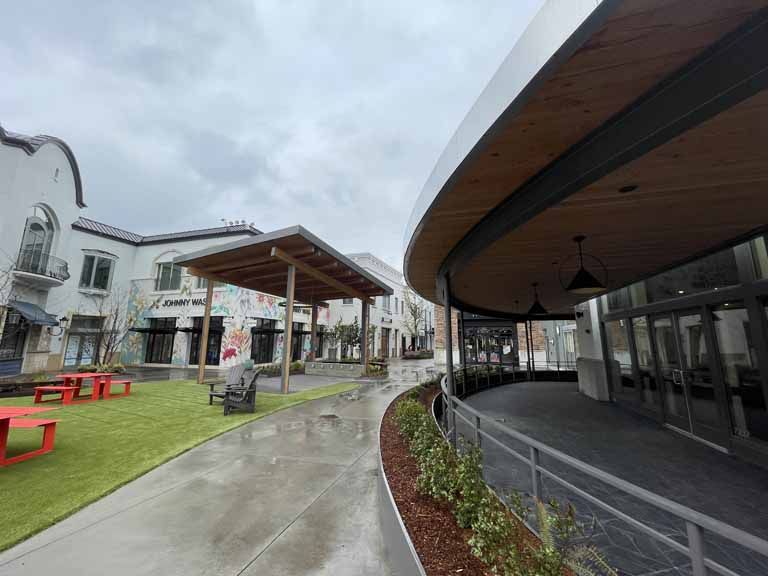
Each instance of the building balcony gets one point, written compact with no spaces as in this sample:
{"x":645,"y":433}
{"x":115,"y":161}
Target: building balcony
{"x":40,"y":269}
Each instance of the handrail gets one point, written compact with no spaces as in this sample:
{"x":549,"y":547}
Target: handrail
{"x":695,"y":521}
{"x":42,"y":263}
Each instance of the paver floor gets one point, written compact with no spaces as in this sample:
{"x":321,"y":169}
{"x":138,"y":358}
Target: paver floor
{"x":640,"y":451}
{"x":292,"y":493}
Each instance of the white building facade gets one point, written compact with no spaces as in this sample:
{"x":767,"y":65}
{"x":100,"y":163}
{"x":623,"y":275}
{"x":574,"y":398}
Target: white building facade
{"x":392,"y":329}
{"x":62,"y":274}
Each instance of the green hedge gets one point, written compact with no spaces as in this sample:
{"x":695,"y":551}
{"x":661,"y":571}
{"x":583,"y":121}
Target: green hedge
{"x":498,"y":538}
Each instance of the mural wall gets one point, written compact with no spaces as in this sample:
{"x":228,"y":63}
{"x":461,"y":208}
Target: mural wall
{"x":240,"y":309}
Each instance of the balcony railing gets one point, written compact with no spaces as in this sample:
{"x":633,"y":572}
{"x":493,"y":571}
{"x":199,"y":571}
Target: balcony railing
{"x":38,"y":262}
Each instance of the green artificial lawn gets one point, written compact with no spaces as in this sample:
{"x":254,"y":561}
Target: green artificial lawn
{"x":102,"y":445}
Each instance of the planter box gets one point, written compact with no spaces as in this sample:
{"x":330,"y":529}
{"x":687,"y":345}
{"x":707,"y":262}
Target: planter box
{"x":340,"y":369}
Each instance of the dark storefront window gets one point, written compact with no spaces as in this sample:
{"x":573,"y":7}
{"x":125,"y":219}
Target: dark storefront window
{"x":263,"y":340}
{"x":215,"y":331}
{"x":618,"y":351}
{"x":82,"y":341}
{"x":14,"y":335}
{"x":297,"y":340}
{"x":160,"y":340}
{"x":741,"y":375}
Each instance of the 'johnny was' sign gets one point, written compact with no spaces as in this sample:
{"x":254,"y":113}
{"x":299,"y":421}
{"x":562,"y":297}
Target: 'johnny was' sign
{"x":181,"y":302}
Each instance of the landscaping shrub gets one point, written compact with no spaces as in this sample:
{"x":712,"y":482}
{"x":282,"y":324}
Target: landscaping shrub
{"x":114,"y":368}
{"x":275,"y":369}
{"x":418,"y":354}
{"x":498,"y":538}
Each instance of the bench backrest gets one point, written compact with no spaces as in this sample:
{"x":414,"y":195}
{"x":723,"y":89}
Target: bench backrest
{"x":235,"y":375}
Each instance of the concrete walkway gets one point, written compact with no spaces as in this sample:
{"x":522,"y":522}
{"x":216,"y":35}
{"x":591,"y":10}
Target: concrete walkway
{"x":293,"y":493}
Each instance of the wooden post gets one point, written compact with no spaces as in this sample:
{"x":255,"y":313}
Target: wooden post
{"x":203,"y":352}
{"x":313,"y":332}
{"x":288,"y":329}
{"x":364,"y":338}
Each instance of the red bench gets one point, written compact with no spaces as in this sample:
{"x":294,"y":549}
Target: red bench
{"x":67,"y":394}
{"x":126,"y":388}
{"x":49,"y":434}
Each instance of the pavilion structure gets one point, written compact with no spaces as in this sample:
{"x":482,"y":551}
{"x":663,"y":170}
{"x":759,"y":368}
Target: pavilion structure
{"x":291,"y":263}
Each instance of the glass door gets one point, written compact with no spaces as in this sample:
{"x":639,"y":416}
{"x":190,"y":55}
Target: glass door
{"x":670,"y":373}
{"x":686,"y":371}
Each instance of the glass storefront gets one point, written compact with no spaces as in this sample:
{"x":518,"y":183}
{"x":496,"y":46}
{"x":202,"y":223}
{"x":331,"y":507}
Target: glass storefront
{"x":620,"y":367}
{"x":160,"y":340}
{"x":213,"y":350}
{"x":688,"y":344}
{"x":263,"y":340}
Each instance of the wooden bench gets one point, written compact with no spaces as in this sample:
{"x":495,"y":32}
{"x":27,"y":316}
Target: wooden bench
{"x":49,"y":434}
{"x":67,"y":394}
{"x":126,"y":389}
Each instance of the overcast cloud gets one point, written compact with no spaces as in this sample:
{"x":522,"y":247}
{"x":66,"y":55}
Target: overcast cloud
{"x":328,"y":114}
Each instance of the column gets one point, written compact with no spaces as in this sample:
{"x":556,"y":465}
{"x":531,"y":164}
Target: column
{"x":446,"y":294}
{"x":313,"y":332}
{"x":364,"y":336}
{"x":288,"y":329}
{"x":203,"y":352}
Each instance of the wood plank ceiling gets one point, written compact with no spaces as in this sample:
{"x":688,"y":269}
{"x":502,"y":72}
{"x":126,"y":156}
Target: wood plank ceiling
{"x":642,"y":42}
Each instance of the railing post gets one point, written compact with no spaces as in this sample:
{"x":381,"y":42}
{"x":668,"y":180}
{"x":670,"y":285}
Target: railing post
{"x":478,"y":438}
{"x":477,"y":385}
{"x":451,"y":422}
{"x":696,"y":548}
{"x":535,"y":474}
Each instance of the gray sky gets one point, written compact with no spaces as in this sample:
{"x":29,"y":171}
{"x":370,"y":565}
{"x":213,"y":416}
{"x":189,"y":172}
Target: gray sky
{"x":328,"y":114}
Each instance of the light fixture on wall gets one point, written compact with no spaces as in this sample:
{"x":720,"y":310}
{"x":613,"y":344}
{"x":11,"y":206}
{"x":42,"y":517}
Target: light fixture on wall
{"x":62,"y":326}
{"x":584,"y":282}
{"x":536,"y":308}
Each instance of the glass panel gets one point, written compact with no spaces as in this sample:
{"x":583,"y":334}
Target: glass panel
{"x":669,"y":366}
{"x":696,"y":370}
{"x":163,"y":277}
{"x":73,"y":347}
{"x":87,"y":273}
{"x":88,"y":350}
{"x":14,"y":335}
{"x":741,"y":374}
{"x":760,"y":257}
{"x":101,"y":276}
{"x":620,"y":366}
{"x":645,"y":365}
{"x":714,"y":271}
{"x":175,"y":277}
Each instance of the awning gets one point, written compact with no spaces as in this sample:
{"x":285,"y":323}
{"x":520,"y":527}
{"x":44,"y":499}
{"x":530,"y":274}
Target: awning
{"x":33,"y":313}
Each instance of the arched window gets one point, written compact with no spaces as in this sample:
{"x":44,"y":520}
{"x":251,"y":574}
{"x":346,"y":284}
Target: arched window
{"x":37,"y":240}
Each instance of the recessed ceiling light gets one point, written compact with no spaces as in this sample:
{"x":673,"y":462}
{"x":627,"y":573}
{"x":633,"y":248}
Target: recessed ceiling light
{"x":681,"y":291}
{"x":628,"y":188}
{"x":495,"y":154}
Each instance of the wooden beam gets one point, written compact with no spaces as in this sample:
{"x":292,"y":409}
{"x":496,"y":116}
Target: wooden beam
{"x":287,"y":330}
{"x":307,"y":269}
{"x":255,"y":262}
{"x":203,"y":352}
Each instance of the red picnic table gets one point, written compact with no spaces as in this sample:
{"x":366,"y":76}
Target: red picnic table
{"x":10,"y":417}
{"x":69,"y":390}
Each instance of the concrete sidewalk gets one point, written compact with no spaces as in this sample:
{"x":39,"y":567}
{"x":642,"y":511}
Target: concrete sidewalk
{"x":293,"y":493}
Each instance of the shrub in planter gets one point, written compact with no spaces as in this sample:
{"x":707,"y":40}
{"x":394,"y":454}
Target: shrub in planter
{"x":114,"y":368}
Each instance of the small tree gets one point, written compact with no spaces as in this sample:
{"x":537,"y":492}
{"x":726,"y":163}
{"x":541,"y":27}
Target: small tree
{"x":414,"y":313}
{"x":349,"y":336}
{"x":114,"y":326}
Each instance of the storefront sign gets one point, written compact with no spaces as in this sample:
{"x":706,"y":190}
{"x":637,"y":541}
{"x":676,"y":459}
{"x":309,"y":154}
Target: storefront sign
{"x":182,"y":302}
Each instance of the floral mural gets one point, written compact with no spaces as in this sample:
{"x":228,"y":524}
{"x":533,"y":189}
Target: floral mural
{"x":239,"y":307}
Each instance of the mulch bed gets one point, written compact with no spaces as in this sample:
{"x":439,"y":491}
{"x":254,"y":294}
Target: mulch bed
{"x":440,"y":543}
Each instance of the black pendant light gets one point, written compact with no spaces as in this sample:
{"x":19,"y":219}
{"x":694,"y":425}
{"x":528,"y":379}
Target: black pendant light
{"x":584,"y":282}
{"x":536,"y":309}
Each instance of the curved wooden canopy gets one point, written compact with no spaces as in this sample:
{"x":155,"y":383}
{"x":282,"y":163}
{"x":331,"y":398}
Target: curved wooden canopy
{"x":261,"y":263}
{"x":664,"y":98}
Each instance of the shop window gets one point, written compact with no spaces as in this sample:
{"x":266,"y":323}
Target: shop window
{"x":738,"y":359}
{"x":263,"y":340}
{"x":620,"y":359}
{"x":160,"y":340}
{"x":709,"y":273}
{"x":215,"y":331}
{"x":13,"y":336}
{"x":97,"y":272}
{"x":168,"y":276}
{"x":82,"y":341}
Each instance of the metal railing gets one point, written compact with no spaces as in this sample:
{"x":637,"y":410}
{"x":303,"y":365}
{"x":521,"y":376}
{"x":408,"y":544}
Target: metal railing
{"x":42,"y":263}
{"x":482,"y":427}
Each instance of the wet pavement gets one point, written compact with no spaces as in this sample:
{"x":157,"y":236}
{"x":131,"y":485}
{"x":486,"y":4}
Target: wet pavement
{"x":640,"y":451}
{"x":292,"y":493}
